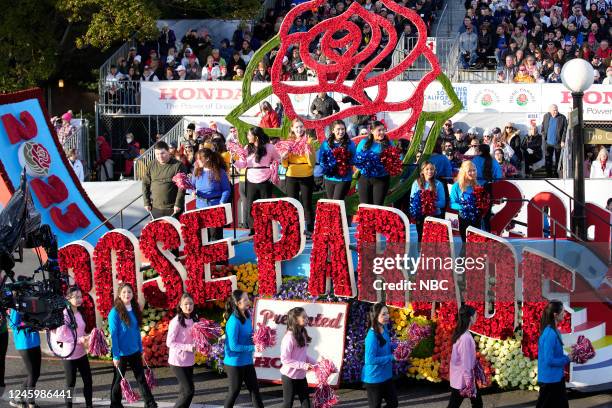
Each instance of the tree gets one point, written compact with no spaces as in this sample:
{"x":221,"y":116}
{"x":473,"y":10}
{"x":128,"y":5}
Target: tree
{"x":41,"y":38}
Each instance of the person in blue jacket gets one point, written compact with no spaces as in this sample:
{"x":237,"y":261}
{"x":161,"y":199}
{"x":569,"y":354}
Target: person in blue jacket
{"x":124,"y":322}
{"x":239,"y":348}
{"x":337,"y":186}
{"x":427,"y":181}
{"x":374,"y":186}
{"x":212,"y":186}
{"x":444,"y":170}
{"x":551,"y":359}
{"x":488,"y":171}
{"x":466,"y":181}
{"x":27,"y":344}
{"x":377,"y":371}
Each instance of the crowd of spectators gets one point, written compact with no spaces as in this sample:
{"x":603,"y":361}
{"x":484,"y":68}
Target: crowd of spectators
{"x":198,"y":56}
{"x":528,"y":42}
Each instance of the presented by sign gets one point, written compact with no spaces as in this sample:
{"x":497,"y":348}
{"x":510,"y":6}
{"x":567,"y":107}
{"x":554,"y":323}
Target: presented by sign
{"x":327,"y":328}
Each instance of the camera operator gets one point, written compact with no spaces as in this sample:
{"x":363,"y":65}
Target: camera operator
{"x":27,"y":344}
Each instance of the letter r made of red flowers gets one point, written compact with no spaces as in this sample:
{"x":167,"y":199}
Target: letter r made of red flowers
{"x":340,"y":38}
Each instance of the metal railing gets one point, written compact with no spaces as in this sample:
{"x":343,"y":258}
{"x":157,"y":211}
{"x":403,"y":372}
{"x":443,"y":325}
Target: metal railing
{"x":119,"y":97}
{"x":122,"y":51}
{"x":120,"y":215}
{"x":79,"y":140}
{"x":446,"y":52}
{"x":174,"y":135}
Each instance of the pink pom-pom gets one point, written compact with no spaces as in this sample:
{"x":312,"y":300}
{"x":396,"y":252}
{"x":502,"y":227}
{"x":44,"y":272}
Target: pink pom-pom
{"x":403,"y":350}
{"x":274,"y":177}
{"x":582,"y":351}
{"x":264,"y":337}
{"x":324,"y":396}
{"x":297,"y":147}
{"x":127,"y":391}
{"x":183,"y":181}
{"x":97,"y":343}
{"x":202,"y":332}
{"x":236,"y":150}
{"x":150,"y":377}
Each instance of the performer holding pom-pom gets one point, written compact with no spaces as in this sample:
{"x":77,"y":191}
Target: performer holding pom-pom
{"x":181,"y":356}
{"x":378,"y":369}
{"x":463,"y":361}
{"x":426,"y":196}
{"x":336,"y":159}
{"x":463,"y":198}
{"x":295,"y":359}
{"x":299,"y":160}
{"x":78,"y":359}
{"x":124,"y":322}
{"x":551,"y":359}
{"x":374,"y":179}
{"x":261,"y":164}
{"x":239,"y":349}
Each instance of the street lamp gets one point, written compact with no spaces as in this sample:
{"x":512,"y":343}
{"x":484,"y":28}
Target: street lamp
{"x":577,"y":77}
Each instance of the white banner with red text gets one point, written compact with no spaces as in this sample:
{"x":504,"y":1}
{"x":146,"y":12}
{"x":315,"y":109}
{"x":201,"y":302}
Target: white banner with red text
{"x":326,"y":327}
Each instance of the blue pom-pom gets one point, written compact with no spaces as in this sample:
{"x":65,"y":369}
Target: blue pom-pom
{"x":327,"y":161}
{"x":469,"y":211}
{"x":369,"y":163}
{"x":415,"y":206}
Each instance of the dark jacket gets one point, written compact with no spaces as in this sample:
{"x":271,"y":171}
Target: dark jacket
{"x":158,"y":189}
{"x":561,"y":128}
{"x":324,"y":106}
{"x":534,"y":143}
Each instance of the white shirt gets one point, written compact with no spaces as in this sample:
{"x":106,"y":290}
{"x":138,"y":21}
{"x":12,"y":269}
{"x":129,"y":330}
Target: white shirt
{"x":77,"y":166}
{"x":597,"y":172}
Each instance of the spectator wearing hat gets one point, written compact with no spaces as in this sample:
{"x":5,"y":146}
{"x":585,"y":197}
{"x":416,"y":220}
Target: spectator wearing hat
{"x":608,"y":79}
{"x":532,"y":148}
{"x":181,"y":73}
{"x":468,"y":45}
{"x":130,"y":153}
{"x":299,"y":73}
{"x":187,"y":55}
{"x":487,"y":137}
{"x":66,"y":129}
{"x":460,"y":142}
{"x":149,"y":75}
{"x":447,"y":133}
{"x":160,"y":195}
{"x":554,"y":127}
{"x":190,"y":138}
{"x":76,"y":164}
{"x":511,"y":137}
{"x":104,"y":164}
{"x":212,"y":70}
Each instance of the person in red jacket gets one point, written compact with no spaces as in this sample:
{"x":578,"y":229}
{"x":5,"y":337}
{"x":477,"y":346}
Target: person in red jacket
{"x":104,"y":162}
{"x":269,"y":119}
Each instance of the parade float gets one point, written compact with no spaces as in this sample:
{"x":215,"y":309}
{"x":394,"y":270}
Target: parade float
{"x":332,"y":274}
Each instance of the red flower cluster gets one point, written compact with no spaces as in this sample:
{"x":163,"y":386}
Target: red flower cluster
{"x":534,"y":269}
{"x":446,"y":320}
{"x":501,"y":263}
{"x":77,"y":258}
{"x":435,"y":244}
{"x":391,"y":160}
{"x":199,"y":255}
{"x":328,"y":258}
{"x":124,"y":267}
{"x":343,"y":160}
{"x":154,"y":233}
{"x":373,"y":220}
{"x":270,"y":253}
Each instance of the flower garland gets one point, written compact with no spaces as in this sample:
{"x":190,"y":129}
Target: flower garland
{"x":78,"y":258}
{"x":391,"y":160}
{"x":199,"y":256}
{"x":125,"y":267}
{"x":155,"y":232}
{"x":369,"y":163}
{"x":270,"y":253}
{"x":328,"y":238}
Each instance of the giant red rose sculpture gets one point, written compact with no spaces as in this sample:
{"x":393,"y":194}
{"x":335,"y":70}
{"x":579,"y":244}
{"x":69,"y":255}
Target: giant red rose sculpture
{"x":340,"y":39}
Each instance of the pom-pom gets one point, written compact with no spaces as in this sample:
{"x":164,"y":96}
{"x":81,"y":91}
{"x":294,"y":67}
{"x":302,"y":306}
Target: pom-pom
{"x":324,"y":396}
{"x":369,"y":163}
{"x":128,"y":393}
{"x":403,"y":350}
{"x":335,"y":162}
{"x":327,"y":161}
{"x":582,"y":351}
{"x":469,"y":390}
{"x":480,"y":376}
{"x":236,"y":150}
{"x":97,"y":343}
{"x":422,"y":204}
{"x":274,"y":177}
{"x":483,"y":201}
{"x":415,"y":211}
{"x":468,"y":210}
{"x":150,"y":376}
{"x":264,"y":337}
{"x":390,"y":158}
{"x":183,"y":181}
{"x":297,"y":147}
{"x":203,"y":331}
